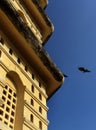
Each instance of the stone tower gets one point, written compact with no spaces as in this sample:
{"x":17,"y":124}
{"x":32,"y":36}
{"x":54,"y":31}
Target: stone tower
{"x":28,"y":76}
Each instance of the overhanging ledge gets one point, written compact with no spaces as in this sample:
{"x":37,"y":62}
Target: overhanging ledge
{"x":40,"y":18}
{"x":20,"y":35}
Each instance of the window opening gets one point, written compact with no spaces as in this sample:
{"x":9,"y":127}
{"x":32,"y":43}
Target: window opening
{"x":40,"y":110}
{"x":32,"y":103}
{"x":40,"y":96}
{"x":26,"y":68}
{"x":40,"y":84}
{"x":1,"y":40}
{"x":33,"y":76}
{"x":10,"y":51}
{"x":1,"y":112}
{"x":31,"y":118}
{"x":18,"y":60}
{"x":32,"y":88}
{"x":6,"y":116}
{"x":40,"y":125}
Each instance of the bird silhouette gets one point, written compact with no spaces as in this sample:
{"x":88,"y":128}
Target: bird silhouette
{"x":65,"y":75}
{"x":84,"y":70}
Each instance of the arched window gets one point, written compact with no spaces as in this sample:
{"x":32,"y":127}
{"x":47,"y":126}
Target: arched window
{"x":40,"y":125}
{"x":40,"y":110}
{"x":32,"y":88}
{"x":32,"y":102}
{"x":13,"y":94}
{"x":40,"y":96}
{"x":31,"y":118}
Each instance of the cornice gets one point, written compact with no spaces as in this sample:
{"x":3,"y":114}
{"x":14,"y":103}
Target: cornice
{"x":30,"y":37}
{"x":23,"y":72}
{"x":27,"y":39}
{"x":43,"y":21}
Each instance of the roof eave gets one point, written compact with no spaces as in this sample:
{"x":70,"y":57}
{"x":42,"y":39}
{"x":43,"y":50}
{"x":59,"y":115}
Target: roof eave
{"x":25,"y":41}
{"x":45,"y":25}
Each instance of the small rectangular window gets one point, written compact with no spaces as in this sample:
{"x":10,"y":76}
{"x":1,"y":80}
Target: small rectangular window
{"x":32,"y":88}
{"x":40,"y":125}
{"x":1,"y":40}
{"x":6,"y":87}
{"x":18,"y":60}
{"x":40,"y":96}
{"x":11,"y":120}
{"x":31,"y":118}
{"x":10,"y":91}
{"x":8,"y":102}
{"x":1,"y":112}
{"x":32,"y":102}
{"x":3,"y":98}
{"x":10,"y":51}
{"x":32,"y":76}
{"x":13,"y":106}
{"x":4,"y":92}
{"x":40,"y":84}
{"x":12,"y":113}
{"x":11,"y":126}
{"x":14,"y":94}
{"x":7,"y":109}
{"x":6,"y":116}
{"x":14,"y":100}
{"x":9,"y":96}
{"x":40,"y":110}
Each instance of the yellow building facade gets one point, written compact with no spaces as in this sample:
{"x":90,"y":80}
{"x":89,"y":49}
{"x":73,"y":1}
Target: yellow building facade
{"x":28,"y":76}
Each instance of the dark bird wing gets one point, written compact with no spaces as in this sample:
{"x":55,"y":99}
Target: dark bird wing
{"x":65,"y":75}
{"x":83,"y":69}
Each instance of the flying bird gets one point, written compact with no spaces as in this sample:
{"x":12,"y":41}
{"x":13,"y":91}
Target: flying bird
{"x":65,"y":75}
{"x":84,"y":70}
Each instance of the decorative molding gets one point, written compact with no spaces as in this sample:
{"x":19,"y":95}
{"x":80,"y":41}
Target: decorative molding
{"x":23,"y":71}
{"x":30,"y":124}
{"x":31,"y":39}
{"x":36,"y":99}
{"x":45,"y":121}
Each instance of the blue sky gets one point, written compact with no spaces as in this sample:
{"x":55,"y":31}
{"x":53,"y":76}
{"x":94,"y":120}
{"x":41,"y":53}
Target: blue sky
{"x":73,"y":44}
